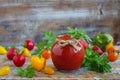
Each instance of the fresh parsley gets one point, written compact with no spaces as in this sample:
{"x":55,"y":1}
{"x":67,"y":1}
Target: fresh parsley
{"x":94,"y":62}
{"x":78,"y":33}
{"x":46,"y":43}
{"x":28,"y":72}
{"x":50,"y":38}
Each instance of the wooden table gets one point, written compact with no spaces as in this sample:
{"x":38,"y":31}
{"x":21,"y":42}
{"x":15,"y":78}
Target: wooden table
{"x":81,"y":73}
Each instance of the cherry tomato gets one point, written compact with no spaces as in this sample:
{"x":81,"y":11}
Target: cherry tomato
{"x":26,"y":52}
{"x":68,"y":57}
{"x":37,"y":63}
{"x":19,"y":60}
{"x":29,"y":44}
{"x":11,"y":53}
{"x":96,"y":48}
{"x":46,"y":54}
{"x":49,"y":70}
{"x":5,"y":70}
{"x":2,"y":50}
{"x":113,"y":53}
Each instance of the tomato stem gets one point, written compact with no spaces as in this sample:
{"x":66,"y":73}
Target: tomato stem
{"x":23,"y":44}
{"x":19,"y":51}
{"x":12,"y":46}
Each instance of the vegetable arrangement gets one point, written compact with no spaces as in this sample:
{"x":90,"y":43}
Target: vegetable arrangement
{"x":70,"y":51}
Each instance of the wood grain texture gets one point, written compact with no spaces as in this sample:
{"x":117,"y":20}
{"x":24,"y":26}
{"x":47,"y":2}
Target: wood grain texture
{"x":28,"y":19}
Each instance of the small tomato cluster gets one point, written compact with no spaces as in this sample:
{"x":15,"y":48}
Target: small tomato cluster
{"x":105,"y":44}
{"x":18,"y":57}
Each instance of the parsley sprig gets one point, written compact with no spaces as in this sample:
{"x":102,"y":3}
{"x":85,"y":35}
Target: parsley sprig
{"x":50,"y":38}
{"x":78,"y":33}
{"x":94,"y":62}
{"x":46,"y":43}
{"x":28,"y":72}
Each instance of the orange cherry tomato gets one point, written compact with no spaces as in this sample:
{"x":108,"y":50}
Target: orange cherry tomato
{"x":46,"y":54}
{"x":113,"y":53}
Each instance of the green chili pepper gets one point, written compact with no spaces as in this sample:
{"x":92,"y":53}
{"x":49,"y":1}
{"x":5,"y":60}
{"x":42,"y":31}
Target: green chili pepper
{"x":102,"y":40}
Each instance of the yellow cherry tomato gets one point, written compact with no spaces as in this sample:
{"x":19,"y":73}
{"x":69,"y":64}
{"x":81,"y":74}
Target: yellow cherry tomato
{"x":3,"y":50}
{"x":26,"y":52}
{"x":49,"y":70}
{"x":110,"y":44}
{"x":37,"y":63}
{"x":5,"y":70}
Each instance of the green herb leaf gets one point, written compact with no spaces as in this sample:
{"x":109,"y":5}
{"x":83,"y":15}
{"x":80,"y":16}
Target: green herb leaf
{"x":28,"y":72}
{"x":78,"y":33}
{"x":94,"y":62}
{"x":50,"y":38}
{"x":7,"y":48}
{"x":20,"y":72}
{"x":12,"y":46}
{"x":39,"y":48}
{"x":46,"y":43}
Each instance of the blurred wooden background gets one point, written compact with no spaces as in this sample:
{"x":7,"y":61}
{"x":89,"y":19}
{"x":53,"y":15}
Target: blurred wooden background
{"x":28,"y":19}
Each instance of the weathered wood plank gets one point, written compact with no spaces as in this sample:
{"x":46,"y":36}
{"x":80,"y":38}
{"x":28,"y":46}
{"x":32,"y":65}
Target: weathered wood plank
{"x":20,"y":18}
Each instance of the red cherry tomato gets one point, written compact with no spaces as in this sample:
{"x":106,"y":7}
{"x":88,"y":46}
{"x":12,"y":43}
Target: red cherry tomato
{"x":11,"y":53}
{"x":68,"y":57}
{"x":19,"y":60}
{"x":96,"y":48}
{"x":29,"y":44}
